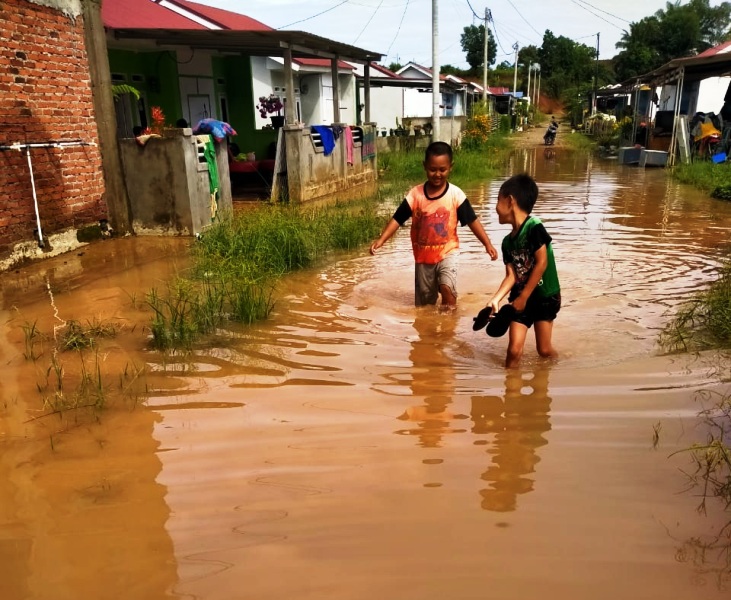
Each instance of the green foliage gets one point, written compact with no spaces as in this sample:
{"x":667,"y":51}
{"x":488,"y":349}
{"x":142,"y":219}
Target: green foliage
{"x":722,"y":192}
{"x":705,"y":321}
{"x":677,"y":31}
{"x":473,"y":45}
{"x":122,"y":88}
{"x":238,"y":262}
{"x":705,"y":175}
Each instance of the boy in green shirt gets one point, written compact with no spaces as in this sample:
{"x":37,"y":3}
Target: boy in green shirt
{"x":530,"y":279}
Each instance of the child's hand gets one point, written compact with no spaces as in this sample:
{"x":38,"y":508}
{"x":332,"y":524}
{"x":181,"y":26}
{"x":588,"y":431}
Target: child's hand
{"x":519,"y":303}
{"x":375,"y":246}
{"x":495,"y":304}
{"x":491,"y":251}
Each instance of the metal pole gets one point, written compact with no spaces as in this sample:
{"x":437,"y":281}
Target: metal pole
{"x":484,"y":61}
{"x":596,"y":76}
{"x":436,"y":93}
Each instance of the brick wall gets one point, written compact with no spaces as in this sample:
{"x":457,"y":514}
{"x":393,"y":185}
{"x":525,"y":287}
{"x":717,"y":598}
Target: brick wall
{"x":45,"y":95}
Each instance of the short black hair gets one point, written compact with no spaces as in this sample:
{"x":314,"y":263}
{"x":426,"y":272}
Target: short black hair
{"x":438,"y":149}
{"x":137,"y":130}
{"x":523,"y":188}
{"x":181,"y":123}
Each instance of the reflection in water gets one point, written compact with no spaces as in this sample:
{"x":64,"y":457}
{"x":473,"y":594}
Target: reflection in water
{"x":432,"y":378}
{"x":518,"y":422}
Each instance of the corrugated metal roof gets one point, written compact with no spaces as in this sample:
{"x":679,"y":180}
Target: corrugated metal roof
{"x":144,"y":14}
{"x":224,"y":18}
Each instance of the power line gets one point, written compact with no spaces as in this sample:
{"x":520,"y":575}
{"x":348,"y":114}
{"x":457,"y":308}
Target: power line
{"x":604,"y":11}
{"x":474,"y":13}
{"x":497,"y":37}
{"x":596,"y":15}
{"x":313,"y":16}
{"x":368,"y":22}
{"x":399,"y":27}
{"x":522,"y":17}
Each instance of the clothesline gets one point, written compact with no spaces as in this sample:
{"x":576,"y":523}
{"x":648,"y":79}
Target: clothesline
{"x":49,"y":144}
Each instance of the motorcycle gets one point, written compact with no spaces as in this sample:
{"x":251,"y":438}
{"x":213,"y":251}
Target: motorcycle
{"x":550,"y":136}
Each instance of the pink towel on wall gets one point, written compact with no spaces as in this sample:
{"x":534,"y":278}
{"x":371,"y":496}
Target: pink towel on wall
{"x":348,"y":144}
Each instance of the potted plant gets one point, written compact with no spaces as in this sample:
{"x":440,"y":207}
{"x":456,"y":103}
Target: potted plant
{"x":268,"y":105}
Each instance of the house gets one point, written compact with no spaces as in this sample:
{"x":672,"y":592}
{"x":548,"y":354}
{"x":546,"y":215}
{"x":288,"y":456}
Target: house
{"x":223,"y":69}
{"x":454,"y":93}
{"x":199,"y":83}
{"x":61,"y":169}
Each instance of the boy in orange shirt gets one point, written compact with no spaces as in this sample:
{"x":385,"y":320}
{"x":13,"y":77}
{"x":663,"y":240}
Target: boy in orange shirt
{"x":435,"y":209}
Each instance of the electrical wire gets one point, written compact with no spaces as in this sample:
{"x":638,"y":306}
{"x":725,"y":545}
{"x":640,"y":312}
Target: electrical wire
{"x":596,"y":15}
{"x":401,"y":22}
{"x":522,"y":17}
{"x":313,"y":16}
{"x":604,"y":11}
{"x":368,"y":22}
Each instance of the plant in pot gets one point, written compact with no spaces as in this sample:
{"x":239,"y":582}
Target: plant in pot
{"x":269,"y":105}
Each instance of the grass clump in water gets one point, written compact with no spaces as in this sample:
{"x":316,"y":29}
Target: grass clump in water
{"x":705,"y":321}
{"x":237,"y":263}
{"x":707,"y":176}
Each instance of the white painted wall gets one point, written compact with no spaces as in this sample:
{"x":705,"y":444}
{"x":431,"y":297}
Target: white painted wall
{"x":417,"y":104}
{"x":708,"y":97}
{"x":197,"y":92}
{"x":711,"y":93}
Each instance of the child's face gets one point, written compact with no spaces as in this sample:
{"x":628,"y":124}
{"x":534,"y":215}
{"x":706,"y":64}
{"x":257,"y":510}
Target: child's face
{"x":437,"y":170}
{"x":503,"y":208}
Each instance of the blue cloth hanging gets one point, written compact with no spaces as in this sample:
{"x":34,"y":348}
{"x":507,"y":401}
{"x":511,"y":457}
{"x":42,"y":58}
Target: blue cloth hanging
{"x":327,"y":137}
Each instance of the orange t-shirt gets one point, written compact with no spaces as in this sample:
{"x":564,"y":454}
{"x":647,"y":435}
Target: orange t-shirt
{"x":434,"y":223}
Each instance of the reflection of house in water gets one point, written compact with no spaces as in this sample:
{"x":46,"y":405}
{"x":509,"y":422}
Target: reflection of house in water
{"x":518,"y":423}
{"x":433,"y":380}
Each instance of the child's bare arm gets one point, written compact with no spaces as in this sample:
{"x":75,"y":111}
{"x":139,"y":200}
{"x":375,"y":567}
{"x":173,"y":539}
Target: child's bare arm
{"x":507,"y":284}
{"x":390,"y":228}
{"x":541,"y":258}
{"x":481,"y":235}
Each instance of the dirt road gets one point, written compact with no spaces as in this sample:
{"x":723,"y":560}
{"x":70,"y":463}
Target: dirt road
{"x":533,"y":135}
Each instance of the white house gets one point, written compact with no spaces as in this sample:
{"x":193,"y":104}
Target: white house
{"x":313,"y":88}
{"x":387,"y":95}
{"x":454,"y":93}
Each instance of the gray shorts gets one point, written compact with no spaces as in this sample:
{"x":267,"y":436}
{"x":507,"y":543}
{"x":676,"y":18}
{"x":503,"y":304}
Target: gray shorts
{"x":428,"y":278}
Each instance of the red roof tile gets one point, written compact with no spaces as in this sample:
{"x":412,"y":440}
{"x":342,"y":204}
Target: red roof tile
{"x":149,"y":14}
{"x":145,"y":14}
{"x":224,"y":18}
{"x":720,"y":49}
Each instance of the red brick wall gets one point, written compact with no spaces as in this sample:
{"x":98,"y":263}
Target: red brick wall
{"x":45,"y":94}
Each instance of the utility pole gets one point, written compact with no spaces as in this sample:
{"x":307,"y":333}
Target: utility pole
{"x":485,"y":54}
{"x":596,"y":76}
{"x":538,"y":89}
{"x":527,"y":93}
{"x":436,"y":93}
{"x":515,"y":76}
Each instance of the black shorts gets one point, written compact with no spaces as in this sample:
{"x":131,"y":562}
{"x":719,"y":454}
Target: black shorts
{"x":539,"y":308}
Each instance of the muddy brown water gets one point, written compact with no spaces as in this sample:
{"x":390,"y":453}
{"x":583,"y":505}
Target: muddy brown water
{"x":354,"y":447}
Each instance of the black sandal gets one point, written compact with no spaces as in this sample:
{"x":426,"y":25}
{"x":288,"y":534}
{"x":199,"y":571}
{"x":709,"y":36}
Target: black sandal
{"x":482,"y":318}
{"x":500,"y":323}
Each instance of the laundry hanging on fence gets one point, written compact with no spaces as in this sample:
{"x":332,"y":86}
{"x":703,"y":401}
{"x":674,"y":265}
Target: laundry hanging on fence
{"x":327,"y":137}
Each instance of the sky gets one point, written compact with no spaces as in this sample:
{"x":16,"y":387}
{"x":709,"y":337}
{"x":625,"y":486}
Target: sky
{"x":401,"y":29}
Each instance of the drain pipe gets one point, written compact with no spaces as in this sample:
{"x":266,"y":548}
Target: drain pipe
{"x":19,"y":147}
{"x":35,"y":199}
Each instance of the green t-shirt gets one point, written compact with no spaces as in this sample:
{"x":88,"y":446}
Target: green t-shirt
{"x":520,"y":250}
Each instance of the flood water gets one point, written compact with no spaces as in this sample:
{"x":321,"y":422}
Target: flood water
{"x":355,"y":447}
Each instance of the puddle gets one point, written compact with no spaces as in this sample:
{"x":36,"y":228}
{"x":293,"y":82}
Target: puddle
{"x":356,"y":447}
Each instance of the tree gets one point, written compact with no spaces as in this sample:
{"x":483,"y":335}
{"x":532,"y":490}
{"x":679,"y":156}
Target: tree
{"x":473,"y":45}
{"x":674,"y":32}
{"x":394,"y":66}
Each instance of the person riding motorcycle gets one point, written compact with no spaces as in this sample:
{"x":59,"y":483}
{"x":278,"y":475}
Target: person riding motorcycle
{"x":550,"y":136}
